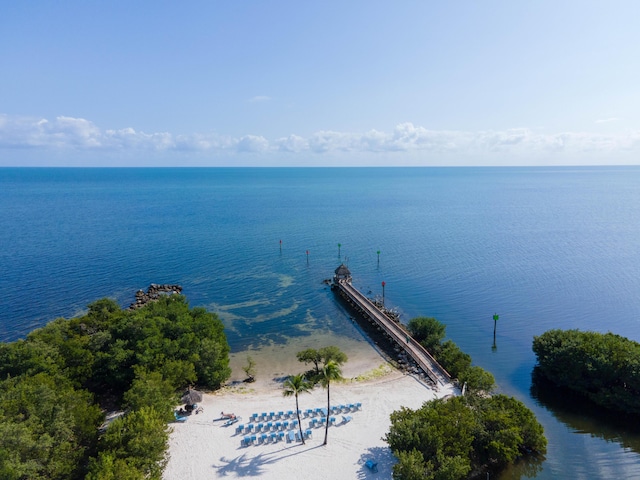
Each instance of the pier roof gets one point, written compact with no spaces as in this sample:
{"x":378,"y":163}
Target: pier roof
{"x":343,"y":271}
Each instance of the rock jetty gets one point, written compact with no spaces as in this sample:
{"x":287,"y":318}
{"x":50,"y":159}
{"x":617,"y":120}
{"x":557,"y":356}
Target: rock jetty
{"x":153,"y":293}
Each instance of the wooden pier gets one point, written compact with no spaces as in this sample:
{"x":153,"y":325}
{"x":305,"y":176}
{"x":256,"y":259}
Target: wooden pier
{"x":342,"y":284}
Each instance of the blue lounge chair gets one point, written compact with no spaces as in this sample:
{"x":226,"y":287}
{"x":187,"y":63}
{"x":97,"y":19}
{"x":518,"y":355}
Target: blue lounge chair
{"x":358,"y":406}
{"x":291,"y":414}
{"x":253,"y":417}
{"x":309,"y":412}
{"x":278,"y":425}
{"x":280,"y":415}
{"x":371,"y":465}
{"x":273,"y":437}
{"x":239,"y":428}
{"x":346,"y":419}
{"x":313,"y":423}
{"x":263,"y":438}
{"x":245,"y":442}
{"x":280,"y":435}
{"x":270,"y":426}
{"x":307,"y":433}
{"x":285,"y":424}
{"x":231,"y":421}
{"x":259,"y":427}
{"x":294,"y":423}
{"x":254,"y":439}
{"x":332,"y":420}
{"x":291,"y":436}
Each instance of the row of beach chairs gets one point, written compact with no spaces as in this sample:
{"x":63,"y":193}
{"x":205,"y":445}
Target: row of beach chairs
{"x":310,"y":412}
{"x":274,"y":437}
{"x":264,"y":416}
{"x":333,"y":410}
{"x":266,"y":427}
{"x":320,"y":422}
{"x":274,"y":427}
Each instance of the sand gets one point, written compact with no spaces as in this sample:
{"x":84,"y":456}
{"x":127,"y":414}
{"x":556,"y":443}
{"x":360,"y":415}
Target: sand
{"x":204,"y":448}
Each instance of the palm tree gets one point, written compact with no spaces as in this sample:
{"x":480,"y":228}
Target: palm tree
{"x":295,"y":385}
{"x":330,"y":371}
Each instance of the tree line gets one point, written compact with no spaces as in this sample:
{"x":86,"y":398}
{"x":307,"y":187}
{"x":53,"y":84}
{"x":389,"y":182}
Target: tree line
{"x":602,"y":367}
{"x":55,"y":384}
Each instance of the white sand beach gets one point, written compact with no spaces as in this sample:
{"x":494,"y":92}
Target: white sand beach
{"x":204,"y":448}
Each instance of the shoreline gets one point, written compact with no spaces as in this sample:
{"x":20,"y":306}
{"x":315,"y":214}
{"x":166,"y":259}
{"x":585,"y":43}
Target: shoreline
{"x":203,"y":447}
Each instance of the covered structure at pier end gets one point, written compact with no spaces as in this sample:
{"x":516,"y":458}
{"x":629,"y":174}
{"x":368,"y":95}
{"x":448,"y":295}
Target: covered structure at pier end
{"x":342,"y":274}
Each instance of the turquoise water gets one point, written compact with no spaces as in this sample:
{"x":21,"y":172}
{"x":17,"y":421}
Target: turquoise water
{"x":542,"y":247}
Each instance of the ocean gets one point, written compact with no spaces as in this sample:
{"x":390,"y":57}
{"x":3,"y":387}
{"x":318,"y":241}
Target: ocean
{"x":542,"y":247}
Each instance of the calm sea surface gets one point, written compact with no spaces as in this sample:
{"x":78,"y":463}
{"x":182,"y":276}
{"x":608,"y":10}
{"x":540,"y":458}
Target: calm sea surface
{"x":542,"y":247}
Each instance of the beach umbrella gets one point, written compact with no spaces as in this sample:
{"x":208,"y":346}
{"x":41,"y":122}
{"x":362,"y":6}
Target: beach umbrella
{"x":191,"y":397}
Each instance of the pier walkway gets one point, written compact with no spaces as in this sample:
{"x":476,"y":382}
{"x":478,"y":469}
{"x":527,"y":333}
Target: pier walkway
{"x":342,"y":283}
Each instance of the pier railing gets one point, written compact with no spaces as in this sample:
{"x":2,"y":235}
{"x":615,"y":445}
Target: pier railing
{"x":413,"y":348}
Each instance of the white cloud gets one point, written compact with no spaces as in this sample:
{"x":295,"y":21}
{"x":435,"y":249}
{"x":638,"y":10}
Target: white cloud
{"x":607,"y":120}
{"x":259,"y":98}
{"x":252,"y":143}
{"x":128,"y":138}
{"x":292,"y":143}
{"x":407,"y":137}
{"x":62,"y":132}
{"x":329,"y":141}
{"x":373,"y":141}
{"x":204,"y":142}
{"x":68,"y":131}
{"x":67,"y":134}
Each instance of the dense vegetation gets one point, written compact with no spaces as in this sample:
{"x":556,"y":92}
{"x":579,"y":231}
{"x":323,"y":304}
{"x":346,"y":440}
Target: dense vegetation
{"x":431,"y":333}
{"x":451,"y":439}
{"x":54,"y":383}
{"x":603,"y":367}
{"x":462,"y":436}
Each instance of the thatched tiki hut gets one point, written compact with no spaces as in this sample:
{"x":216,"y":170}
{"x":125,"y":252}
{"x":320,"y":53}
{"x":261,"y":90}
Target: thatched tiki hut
{"x":191,"y":397}
{"x":342,"y":274}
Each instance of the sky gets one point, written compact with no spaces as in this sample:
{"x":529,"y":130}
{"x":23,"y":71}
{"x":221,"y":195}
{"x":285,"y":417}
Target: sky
{"x":290,"y":83}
